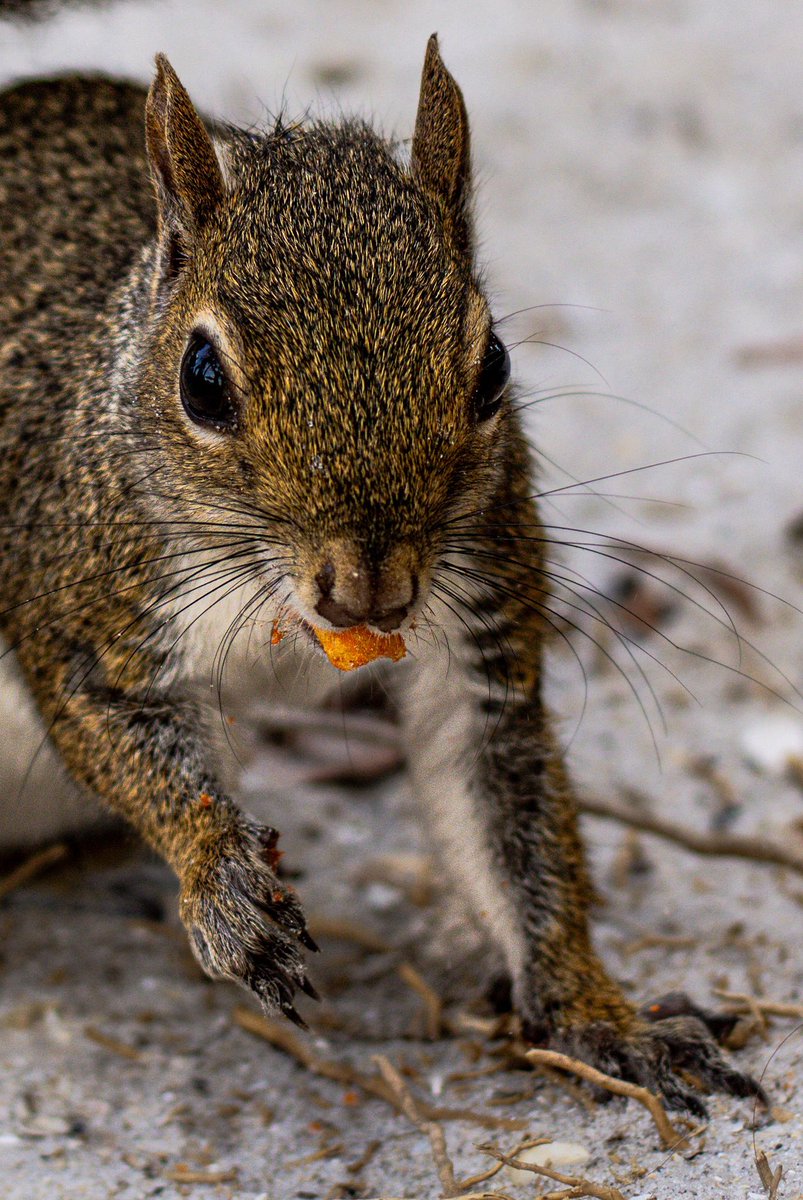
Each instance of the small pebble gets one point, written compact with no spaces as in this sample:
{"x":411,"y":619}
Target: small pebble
{"x":771,"y":744}
{"x":41,"y":1125}
{"x":382,"y":896}
{"x":552,"y":1154}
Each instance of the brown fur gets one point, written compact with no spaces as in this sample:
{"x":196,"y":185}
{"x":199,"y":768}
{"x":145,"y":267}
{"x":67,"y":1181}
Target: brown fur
{"x":339,"y":286}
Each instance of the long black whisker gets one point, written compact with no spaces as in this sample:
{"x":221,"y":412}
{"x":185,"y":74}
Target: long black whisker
{"x":595,"y":614}
{"x":541,"y":608}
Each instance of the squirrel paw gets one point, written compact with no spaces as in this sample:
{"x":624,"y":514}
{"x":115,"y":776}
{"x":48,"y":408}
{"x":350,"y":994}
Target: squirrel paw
{"x":243,"y":923}
{"x":654,"y":1053}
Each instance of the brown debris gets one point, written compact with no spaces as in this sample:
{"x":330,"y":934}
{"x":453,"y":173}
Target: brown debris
{"x":631,"y":862}
{"x":330,"y":1150}
{"x":283,"y":1037}
{"x":348,"y":931}
{"x":574,"y":1185}
{"x":184,"y":1174}
{"x":437,"y":1139}
{"x":760,"y":1007}
{"x":724,"y":845}
{"x":770,"y":1180}
{"x":433,"y":1004}
{"x":670,"y":1137}
{"x":566,"y":1085}
{"x":362,"y":1162}
{"x":113,"y":1044}
{"x":651,"y":600}
{"x":32,"y":867}
{"x":704,"y":767}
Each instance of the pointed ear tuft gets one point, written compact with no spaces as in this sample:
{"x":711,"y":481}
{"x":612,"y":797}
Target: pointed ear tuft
{"x":441,"y":148}
{"x":184,"y":165}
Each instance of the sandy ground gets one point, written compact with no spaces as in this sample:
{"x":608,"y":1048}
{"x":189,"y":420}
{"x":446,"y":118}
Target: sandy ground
{"x":641,"y":171}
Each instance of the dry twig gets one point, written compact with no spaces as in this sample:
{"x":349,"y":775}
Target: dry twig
{"x":487,"y":1027}
{"x":347,"y":931}
{"x":362,"y":1162}
{"x":281,"y":1035}
{"x":432,"y":1002}
{"x":670,"y":1137}
{"x":111,"y":1043}
{"x":463,"y":1196}
{"x":770,"y":1180}
{"x":328,"y":1151}
{"x":557,"y":1079}
{"x":723,"y":845}
{"x":576,"y":1185}
{"x":484,"y":1176}
{"x":31,"y":867}
{"x":183,"y":1174}
{"x":432,"y":1129}
{"x":760,"y":1006}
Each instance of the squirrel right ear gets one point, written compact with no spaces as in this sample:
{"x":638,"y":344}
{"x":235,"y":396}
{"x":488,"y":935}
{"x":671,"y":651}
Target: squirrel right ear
{"x":185,"y":168}
{"x":441,"y":150}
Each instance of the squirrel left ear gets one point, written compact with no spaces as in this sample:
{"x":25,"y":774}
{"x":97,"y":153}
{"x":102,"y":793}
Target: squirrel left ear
{"x":185,"y":168}
{"x":441,"y":149}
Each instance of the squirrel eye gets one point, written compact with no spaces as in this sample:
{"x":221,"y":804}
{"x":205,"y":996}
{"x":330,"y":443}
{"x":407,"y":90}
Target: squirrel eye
{"x":494,"y":375}
{"x":205,"y":392}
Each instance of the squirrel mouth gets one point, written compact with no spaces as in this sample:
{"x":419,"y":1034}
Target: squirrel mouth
{"x":346,"y":649}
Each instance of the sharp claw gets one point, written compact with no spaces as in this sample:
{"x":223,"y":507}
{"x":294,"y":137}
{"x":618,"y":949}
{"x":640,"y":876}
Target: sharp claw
{"x":307,"y":940}
{"x":289,"y":1011}
{"x":744,"y":1085}
{"x":682,"y":1099}
{"x":308,"y":989}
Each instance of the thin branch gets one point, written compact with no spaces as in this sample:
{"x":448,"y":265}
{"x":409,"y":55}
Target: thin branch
{"x":483,"y":1176}
{"x":771,"y":1180}
{"x":721,"y":845}
{"x":577,"y":1185}
{"x":557,"y":1079}
{"x":433,"y":1004}
{"x":760,"y":1006}
{"x":32,"y":866}
{"x":182,"y":1174}
{"x":111,"y":1043}
{"x":670,"y":1137}
{"x":347,"y":931}
{"x":432,"y":1129}
{"x":281,"y":1035}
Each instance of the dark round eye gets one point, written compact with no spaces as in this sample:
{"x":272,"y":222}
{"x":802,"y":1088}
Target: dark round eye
{"x":205,"y":391}
{"x":494,"y":375}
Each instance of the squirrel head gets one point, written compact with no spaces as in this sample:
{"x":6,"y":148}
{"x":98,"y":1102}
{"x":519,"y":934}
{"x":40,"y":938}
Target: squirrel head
{"x":319,"y":363}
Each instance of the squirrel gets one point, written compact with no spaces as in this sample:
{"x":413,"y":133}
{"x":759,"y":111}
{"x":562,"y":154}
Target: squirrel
{"x":251,"y":376}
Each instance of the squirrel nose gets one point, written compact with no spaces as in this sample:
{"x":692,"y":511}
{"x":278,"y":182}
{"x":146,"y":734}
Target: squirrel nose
{"x":351,"y":597}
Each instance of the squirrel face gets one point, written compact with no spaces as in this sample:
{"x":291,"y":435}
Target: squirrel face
{"x":320,"y":355}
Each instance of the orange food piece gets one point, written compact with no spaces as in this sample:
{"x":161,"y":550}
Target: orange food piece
{"x":276,"y":634}
{"x":352,"y":648}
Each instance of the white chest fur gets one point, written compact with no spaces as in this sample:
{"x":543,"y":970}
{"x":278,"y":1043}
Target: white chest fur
{"x":38,"y":800}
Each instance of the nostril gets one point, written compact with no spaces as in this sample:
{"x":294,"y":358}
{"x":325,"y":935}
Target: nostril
{"x":389,"y":615}
{"x":337,"y":614}
{"x":325,"y":579}
{"x":390,"y":619}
